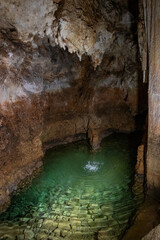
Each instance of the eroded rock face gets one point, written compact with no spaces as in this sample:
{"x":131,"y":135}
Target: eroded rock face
{"x":153,"y":235}
{"x":81,"y":27}
{"x":47,"y":95}
{"x":153,"y":156}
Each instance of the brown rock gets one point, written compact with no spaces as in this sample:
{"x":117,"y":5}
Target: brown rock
{"x":47,"y":95}
{"x":153,"y":235}
{"x":140,"y":160}
{"x":57,"y":1}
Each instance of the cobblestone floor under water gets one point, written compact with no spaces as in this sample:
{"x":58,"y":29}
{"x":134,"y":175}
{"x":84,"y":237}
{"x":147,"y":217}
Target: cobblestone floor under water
{"x":78,"y":195}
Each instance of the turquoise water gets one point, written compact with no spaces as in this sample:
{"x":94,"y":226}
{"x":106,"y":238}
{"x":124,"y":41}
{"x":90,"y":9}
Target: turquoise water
{"x":79,"y":194}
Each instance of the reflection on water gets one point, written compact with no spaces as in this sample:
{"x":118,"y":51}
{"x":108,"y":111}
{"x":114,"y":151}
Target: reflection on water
{"x":93,"y":166}
{"x":78,"y":195}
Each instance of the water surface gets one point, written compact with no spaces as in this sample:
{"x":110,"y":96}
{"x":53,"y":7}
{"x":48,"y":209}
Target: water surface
{"x":79,"y":194}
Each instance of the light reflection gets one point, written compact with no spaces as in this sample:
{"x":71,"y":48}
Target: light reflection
{"x":93,"y":166}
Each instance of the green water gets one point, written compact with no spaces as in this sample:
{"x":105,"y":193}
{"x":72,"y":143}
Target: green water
{"x":78,"y":195}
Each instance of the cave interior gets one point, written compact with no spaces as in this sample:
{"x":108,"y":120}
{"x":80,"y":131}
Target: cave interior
{"x":72,"y":71}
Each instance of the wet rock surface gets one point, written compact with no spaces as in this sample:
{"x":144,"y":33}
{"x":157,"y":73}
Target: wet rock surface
{"x":47,"y":95}
{"x":153,"y":235}
{"x":147,"y":218}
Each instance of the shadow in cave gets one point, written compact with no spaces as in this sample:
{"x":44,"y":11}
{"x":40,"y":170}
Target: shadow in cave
{"x":141,"y":119}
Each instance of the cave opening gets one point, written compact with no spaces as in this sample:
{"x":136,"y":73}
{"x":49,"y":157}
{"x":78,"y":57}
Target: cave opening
{"x":81,"y":76}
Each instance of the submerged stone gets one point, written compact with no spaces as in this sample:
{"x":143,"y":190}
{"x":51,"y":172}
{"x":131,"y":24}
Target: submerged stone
{"x":68,"y":201}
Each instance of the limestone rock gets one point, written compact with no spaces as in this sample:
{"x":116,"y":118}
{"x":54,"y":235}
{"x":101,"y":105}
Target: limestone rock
{"x":37,"y":21}
{"x":153,"y":235}
{"x":47,"y":95}
{"x":29,"y":234}
{"x":76,"y":25}
{"x":49,"y":225}
{"x":140,"y":160}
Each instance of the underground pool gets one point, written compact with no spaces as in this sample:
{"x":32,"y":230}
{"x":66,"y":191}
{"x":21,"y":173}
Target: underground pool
{"x":79,"y":194}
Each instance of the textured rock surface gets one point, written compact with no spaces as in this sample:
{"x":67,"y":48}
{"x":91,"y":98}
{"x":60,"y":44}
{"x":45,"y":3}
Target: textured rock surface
{"x":140,"y":160}
{"x":81,"y":27}
{"x":153,"y":156}
{"x":47,"y":95}
{"x":147,"y":218}
{"x":153,"y":235}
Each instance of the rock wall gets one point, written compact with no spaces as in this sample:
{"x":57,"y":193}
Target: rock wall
{"x":69,"y":69}
{"x":152,"y":13}
{"x":153,"y":235}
